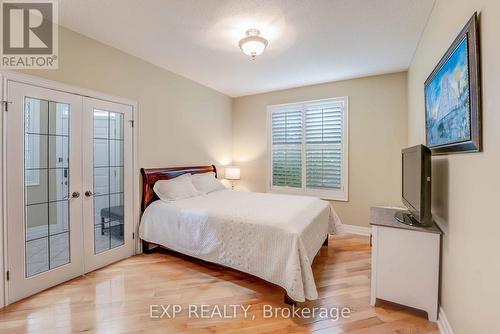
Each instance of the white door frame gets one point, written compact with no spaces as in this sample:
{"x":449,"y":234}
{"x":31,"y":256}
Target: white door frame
{"x":44,"y":83}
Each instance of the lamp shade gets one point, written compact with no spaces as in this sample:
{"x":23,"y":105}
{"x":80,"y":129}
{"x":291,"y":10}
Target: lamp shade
{"x":232,"y":173}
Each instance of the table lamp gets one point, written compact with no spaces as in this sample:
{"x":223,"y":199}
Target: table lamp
{"x":232,"y":173}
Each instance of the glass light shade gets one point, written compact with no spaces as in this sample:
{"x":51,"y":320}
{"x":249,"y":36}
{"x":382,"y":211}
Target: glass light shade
{"x":232,"y":173}
{"x":253,"y":45}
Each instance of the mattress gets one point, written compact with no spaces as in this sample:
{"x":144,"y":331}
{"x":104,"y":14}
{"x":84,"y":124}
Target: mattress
{"x":271,"y":236}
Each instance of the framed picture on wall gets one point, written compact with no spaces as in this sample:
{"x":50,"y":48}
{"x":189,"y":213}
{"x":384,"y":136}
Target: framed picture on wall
{"x":453,"y":97}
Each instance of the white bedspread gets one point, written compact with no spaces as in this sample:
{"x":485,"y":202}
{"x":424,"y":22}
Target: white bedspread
{"x":274,"y":237}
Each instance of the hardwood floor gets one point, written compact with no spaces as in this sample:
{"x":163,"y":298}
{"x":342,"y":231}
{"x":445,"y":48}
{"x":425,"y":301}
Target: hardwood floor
{"x":117,"y":298}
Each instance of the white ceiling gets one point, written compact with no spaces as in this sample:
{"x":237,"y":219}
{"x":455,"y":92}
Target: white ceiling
{"x":310,"y":41}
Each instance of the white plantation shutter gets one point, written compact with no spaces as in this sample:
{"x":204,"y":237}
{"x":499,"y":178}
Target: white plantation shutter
{"x":308,"y":150}
{"x":324,"y":125}
{"x":286,"y":151}
{"x":287,"y":167}
{"x":324,"y":166}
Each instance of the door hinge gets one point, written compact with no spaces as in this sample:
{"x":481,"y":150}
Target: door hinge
{"x":6,"y":105}
{"x":133,"y":235}
{"x":132,"y":122}
{"x":7,"y":274}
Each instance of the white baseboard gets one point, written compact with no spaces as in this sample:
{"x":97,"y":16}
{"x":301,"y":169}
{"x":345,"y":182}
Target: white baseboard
{"x":443,"y":324}
{"x":354,"y":229}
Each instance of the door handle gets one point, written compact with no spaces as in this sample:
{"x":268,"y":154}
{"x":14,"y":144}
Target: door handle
{"x":89,"y":193}
{"x":75,"y":194}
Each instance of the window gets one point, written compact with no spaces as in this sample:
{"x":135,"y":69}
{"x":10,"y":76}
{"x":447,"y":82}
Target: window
{"x":308,"y":148}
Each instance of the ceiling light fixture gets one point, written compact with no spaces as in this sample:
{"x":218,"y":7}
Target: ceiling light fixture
{"x":253,"y":45}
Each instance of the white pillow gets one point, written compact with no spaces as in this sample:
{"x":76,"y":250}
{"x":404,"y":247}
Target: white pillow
{"x":206,"y":183}
{"x":176,"y":188}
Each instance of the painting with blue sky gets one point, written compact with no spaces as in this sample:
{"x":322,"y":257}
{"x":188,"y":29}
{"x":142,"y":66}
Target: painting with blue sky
{"x":447,"y":101}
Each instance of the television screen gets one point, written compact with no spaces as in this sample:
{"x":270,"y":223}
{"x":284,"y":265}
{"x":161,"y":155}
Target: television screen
{"x":411,"y":178}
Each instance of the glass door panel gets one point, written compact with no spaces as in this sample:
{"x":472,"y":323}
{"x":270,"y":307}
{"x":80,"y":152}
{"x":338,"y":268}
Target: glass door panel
{"x":108,"y":178}
{"x":46,"y":161}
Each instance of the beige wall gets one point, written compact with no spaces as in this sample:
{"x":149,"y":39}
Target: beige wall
{"x":378,"y":131}
{"x":180,"y":122}
{"x":466,"y":187}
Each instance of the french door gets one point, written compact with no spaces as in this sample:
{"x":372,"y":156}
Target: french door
{"x":44,"y":209}
{"x":107,"y":180}
{"x":69,"y":196}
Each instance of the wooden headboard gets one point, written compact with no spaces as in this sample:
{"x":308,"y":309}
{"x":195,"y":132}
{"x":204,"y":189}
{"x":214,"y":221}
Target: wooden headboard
{"x":150,"y":176}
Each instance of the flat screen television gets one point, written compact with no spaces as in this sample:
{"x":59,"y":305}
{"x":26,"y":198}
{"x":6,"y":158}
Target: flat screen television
{"x":416,"y":190}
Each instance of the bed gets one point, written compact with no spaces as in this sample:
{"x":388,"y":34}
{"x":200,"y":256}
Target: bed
{"x":274,"y":237}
